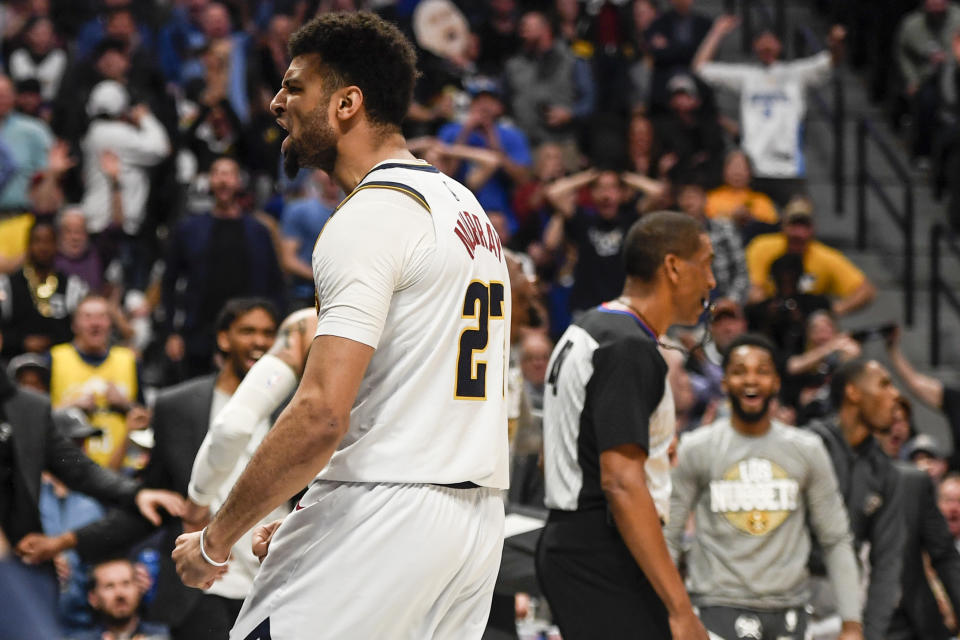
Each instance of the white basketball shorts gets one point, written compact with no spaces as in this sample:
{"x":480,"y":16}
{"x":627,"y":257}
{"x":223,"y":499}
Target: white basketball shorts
{"x":358,"y":561}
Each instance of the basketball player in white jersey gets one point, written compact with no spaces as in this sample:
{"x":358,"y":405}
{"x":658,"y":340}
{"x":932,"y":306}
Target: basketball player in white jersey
{"x":399,"y":424}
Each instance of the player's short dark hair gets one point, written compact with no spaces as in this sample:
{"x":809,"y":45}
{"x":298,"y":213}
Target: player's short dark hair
{"x":848,"y":372}
{"x":364,"y":50}
{"x":751,"y":340}
{"x":654,"y":236}
{"x":236,"y":307}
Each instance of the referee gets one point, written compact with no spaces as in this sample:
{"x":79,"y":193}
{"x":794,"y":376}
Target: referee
{"x":608,"y":421}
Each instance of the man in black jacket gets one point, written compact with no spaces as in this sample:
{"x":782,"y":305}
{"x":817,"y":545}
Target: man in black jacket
{"x":29,"y":444}
{"x":245,"y":331}
{"x":864,"y":397}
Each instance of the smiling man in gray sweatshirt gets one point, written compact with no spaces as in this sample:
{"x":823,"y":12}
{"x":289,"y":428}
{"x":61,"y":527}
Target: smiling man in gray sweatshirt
{"x":757,"y":488}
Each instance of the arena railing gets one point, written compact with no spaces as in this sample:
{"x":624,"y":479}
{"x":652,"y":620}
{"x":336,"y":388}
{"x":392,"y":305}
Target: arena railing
{"x":903,"y":216}
{"x":940,"y":235}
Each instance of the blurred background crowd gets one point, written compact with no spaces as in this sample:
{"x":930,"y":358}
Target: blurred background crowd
{"x":142,"y":195}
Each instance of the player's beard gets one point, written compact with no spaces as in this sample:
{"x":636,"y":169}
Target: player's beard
{"x":316,"y":146}
{"x":750,"y":416}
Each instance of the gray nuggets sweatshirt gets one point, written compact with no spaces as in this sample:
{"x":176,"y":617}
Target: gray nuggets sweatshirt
{"x":753,"y":499}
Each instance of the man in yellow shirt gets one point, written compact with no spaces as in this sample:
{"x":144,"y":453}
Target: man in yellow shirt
{"x":827,"y":272}
{"x":102,"y":380}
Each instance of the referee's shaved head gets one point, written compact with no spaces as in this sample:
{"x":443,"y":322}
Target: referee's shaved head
{"x":656,"y":235}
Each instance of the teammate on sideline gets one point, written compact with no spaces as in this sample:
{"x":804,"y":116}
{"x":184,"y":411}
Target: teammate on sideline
{"x":759,"y":488}
{"x":608,"y":421}
{"x":399,"y":425}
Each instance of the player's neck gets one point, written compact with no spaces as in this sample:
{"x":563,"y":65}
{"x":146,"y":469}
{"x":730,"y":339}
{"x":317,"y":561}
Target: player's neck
{"x":854,"y":429}
{"x":364,"y":155}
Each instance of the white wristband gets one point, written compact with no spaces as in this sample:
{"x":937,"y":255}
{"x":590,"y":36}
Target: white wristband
{"x":206,"y":557}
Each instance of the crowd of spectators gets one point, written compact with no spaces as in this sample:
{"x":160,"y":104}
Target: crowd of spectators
{"x":142,"y":189}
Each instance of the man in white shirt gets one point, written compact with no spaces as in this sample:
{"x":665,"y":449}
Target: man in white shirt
{"x":399,"y":424}
{"x":772,"y":101}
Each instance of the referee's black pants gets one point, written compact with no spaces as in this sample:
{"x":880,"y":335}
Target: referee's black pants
{"x":593,"y":584}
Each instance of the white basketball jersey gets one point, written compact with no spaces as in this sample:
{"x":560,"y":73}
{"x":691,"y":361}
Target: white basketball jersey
{"x":410,"y":265}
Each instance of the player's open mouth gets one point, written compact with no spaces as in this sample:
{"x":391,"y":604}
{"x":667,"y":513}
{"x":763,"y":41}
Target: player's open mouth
{"x":751,"y":399}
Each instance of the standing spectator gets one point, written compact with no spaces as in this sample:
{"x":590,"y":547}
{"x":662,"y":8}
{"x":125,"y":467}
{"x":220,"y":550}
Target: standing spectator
{"x":864,"y":398}
{"x":40,"y":58}
{"x":948,"y":501}
{"x":535,"y":348}
{"x":826,"y":271}
{"x":120,"y":147}
{"x":27,"y":141}
{"x":673,"y":39}
{"x":808,"y":374}
{"x":703,"y":366}
{"x":735,"y":200}
{"x":76,"y":256}
{"x":597,"y":233}
{"x":729,"y":263}
{"x":216,"y":256}
{"x":608,"y":425}
{"x":530,"y":201}
{"x":932,"y":392}
{"x":923,"y":44}
{"x":498,"y":36}
{"x":302,"y":221}
{"x":115,"y":598}
{"x":758,"y":490}
{"x":102,"y":380}
{"x":485,"y":128}
{"x":929,"y":557}
{"x":772,"y":102}
{"x":36,"y":302}
{"x":549,"y":92}
{"x":689,"y":144}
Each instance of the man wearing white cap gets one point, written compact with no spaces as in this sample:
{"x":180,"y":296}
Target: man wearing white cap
{"x":120,"y":146}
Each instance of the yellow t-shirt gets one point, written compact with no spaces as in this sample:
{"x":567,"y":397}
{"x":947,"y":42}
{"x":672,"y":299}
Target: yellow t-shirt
{"x":830,"y":272}
{"x":14,"y":232}
{"x":723,"y":201}
{"x":72,"y":377}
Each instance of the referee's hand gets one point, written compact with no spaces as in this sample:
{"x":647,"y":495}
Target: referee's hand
{"x":193,"y":569}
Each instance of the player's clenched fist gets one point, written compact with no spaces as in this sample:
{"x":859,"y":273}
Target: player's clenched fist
{"x":262,"y":537}
{"x":194,"y":570}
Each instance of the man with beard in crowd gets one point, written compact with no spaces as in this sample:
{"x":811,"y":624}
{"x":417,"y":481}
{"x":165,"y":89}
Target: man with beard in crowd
{"x":115,"y":598}
{"x":221,"y":255}
{"x":750,"y":474}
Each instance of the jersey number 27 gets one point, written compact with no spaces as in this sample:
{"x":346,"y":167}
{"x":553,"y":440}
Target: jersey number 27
{"x":481,"y":303}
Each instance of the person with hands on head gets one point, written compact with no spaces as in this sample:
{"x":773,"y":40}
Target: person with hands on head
{"x":608,"y":424}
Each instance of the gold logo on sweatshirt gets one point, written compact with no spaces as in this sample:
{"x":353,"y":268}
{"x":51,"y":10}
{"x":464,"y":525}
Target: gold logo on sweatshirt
{"x":755,"y":495}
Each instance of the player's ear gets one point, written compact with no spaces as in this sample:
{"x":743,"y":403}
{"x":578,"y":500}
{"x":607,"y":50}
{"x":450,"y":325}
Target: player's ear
{"x":348,"y":101}
{"x":222,"y":342}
